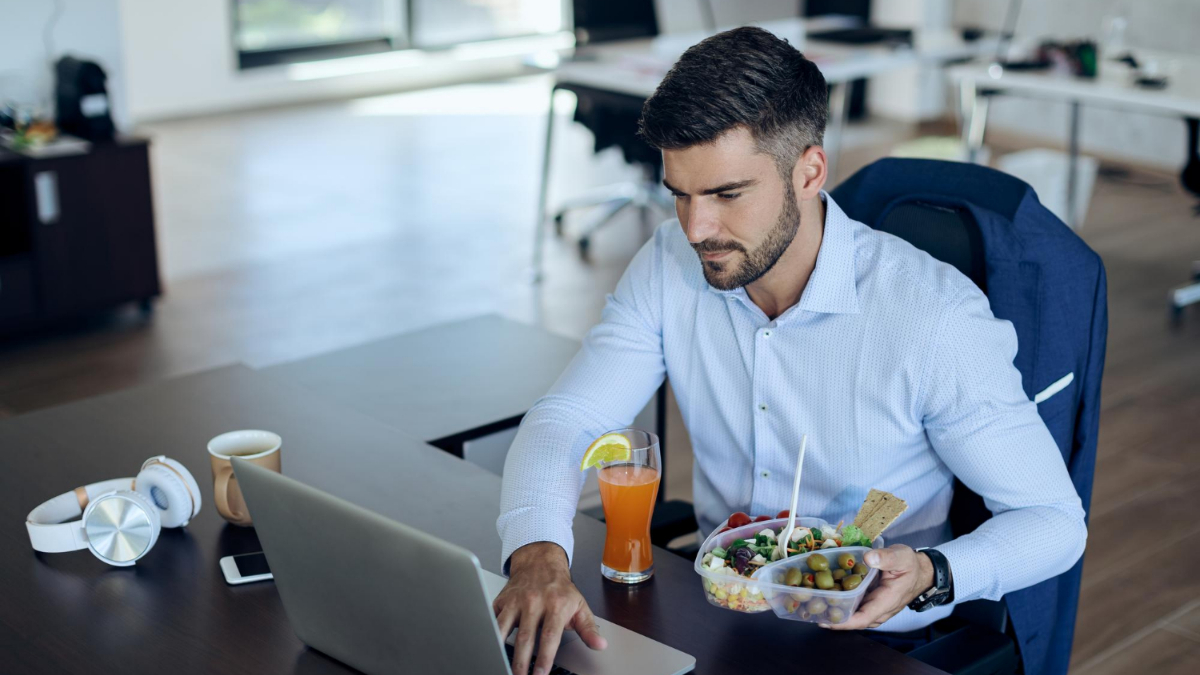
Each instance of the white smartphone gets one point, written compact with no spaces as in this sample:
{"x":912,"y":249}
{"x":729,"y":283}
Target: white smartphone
{"x":245,"y":569}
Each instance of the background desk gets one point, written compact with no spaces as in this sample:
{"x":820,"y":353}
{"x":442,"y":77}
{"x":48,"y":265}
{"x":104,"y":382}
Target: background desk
{"x":635,"y":67}
{"x":70,"y":613}
{"x":462,"y":386}
{"x":1112,"y":89}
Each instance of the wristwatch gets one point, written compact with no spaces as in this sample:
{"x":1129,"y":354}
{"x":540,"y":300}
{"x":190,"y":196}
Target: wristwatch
{"x":942,"y":591}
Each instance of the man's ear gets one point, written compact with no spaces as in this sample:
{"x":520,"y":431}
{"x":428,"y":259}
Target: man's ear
{"x":810,"y":173}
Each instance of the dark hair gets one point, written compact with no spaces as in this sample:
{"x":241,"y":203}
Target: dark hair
{"x":745,"y":76}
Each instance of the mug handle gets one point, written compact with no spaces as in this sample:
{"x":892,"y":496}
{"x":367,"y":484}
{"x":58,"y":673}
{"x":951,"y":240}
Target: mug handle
{"x":221,"y":493}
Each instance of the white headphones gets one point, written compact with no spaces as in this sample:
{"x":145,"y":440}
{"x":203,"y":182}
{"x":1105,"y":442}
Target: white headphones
{"x":121,"y":517}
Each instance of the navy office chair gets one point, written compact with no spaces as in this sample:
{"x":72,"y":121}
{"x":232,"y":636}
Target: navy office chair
{"x":1040,"y":276}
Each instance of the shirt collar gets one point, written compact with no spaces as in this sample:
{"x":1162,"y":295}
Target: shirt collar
{"x":832,"y":287}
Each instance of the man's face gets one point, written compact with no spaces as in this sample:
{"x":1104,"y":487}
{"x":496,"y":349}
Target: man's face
{"x":737,"y":212}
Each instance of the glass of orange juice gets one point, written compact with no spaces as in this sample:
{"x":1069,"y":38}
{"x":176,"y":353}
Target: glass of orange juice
{"x":628,"y":489}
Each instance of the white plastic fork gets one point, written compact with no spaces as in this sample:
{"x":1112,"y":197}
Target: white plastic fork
{"x":785,"y":536}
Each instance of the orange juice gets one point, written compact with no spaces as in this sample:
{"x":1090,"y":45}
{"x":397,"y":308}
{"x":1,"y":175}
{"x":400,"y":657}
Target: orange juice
{"x":628,"y":492}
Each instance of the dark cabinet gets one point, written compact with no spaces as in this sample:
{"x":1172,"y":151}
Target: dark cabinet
{"x":78,"y":232}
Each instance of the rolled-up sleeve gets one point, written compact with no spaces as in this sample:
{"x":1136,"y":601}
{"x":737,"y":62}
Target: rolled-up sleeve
{"x":989,"y":434}
{"x":610,"y":380}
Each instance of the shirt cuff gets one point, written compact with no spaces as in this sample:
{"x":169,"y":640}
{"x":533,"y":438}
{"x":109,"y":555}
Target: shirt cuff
{"x":520,"y":529}
{"x":975,"y":576}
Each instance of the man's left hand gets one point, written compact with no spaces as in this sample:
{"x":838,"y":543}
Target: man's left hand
{"x":904,"y":574}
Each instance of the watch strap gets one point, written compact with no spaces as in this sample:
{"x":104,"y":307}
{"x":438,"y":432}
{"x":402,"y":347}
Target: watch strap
{"x":942,"y":591}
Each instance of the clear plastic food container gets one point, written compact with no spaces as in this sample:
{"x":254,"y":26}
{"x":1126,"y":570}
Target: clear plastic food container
{"x":813,"y":604}
{"x":725,"y":588}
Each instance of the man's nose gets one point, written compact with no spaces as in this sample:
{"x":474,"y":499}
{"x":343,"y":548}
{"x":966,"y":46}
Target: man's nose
{"x":702,"y":221}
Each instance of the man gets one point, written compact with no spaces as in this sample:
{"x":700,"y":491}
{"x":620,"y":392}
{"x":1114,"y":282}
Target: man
{"x":775,"y":315}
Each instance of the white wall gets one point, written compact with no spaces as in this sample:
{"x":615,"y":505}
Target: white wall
{"x":181,"y":61}
{"x":85,"y":28}
{"x":1168,"y":25}
{"x":682,"y":16}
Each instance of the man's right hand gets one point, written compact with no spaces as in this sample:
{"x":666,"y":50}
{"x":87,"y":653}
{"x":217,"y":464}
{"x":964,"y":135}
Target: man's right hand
{"x":540,"y":596}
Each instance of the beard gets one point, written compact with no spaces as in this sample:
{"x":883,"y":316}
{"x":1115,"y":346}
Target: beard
{"x":727,"y":276}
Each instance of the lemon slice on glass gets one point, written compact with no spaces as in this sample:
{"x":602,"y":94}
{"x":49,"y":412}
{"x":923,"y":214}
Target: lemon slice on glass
{"x":614,"y":447}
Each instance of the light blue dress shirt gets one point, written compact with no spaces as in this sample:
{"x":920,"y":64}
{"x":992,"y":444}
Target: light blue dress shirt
{"x":891,"y":362}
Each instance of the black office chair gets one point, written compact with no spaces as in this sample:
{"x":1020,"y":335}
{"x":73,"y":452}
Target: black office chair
{"x":975,"y":639}
{"x":1044,"y":279}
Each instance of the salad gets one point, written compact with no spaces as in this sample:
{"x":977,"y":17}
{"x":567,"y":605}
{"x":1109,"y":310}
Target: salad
{"x":727,"y":569}
{"x":732,"y":556}
{"x":746,"y":555}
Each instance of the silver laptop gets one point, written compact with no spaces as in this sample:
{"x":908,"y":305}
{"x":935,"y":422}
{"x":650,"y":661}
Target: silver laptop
{"x":386,"y":598}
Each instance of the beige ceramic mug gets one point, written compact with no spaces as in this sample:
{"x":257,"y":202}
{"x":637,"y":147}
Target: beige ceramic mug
{"x":254,"y":446}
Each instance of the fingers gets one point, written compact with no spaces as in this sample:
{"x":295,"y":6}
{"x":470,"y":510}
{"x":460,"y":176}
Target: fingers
{"x":526,"y":637}
{"x":891,"y":559}
{"x":879,"y":606}
{"x":584,"y":623}
{"x":552,"y":628}
{"x":507,"y":619}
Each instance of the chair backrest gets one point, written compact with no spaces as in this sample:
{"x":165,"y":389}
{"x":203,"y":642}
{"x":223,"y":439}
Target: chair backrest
{"x":950,"y":234}
{"x":1042,"y":278}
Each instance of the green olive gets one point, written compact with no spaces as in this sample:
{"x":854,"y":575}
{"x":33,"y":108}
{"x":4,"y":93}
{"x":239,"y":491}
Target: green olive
{"x":818,"y":562}
{"x":851,"y":582}
{"x":846,"y":561}
{"x":816,"y":606}
{"x":801,"y":596}
{"x":836,"y":615}
{"x":808,"y":582}
{"x":793,"y":577}
{"x":838,"y":574}
{"x":860,"y":569}
{"x":824,"y":580}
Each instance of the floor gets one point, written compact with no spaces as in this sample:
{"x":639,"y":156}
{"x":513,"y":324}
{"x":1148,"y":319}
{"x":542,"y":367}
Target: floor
{"x":290,"y":232}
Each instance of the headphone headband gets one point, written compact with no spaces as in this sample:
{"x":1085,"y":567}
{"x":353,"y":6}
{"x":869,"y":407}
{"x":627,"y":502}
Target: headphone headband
{"x":48,"y":530}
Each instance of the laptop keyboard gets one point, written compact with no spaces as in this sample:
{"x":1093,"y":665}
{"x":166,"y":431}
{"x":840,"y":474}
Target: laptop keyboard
{"x":554,"y":671}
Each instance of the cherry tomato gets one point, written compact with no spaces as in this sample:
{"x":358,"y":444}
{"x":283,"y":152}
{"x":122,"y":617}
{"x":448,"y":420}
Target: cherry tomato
{"x":723,"y":530}
{"x":784,"y":513}
{"x":762,"y":519}
{"x":738,"y":519}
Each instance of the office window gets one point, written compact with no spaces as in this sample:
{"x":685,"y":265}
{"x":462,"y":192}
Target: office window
{"x":437,"y":23}
{"x":281,"y":31}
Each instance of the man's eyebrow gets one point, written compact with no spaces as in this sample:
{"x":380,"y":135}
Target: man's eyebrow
{"x":727,"y":187}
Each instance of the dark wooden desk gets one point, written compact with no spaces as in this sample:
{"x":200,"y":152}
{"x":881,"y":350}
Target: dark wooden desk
{"x":68,"y":612}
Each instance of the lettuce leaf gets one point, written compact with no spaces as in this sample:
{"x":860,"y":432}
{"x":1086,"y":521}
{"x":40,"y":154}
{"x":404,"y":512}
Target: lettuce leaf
{"x":852,"y":535}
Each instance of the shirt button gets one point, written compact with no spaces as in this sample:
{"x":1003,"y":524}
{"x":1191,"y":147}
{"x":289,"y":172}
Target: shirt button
{"x":766,"y":474}
{"x":766,"y":333}
{"x":762,"y":407}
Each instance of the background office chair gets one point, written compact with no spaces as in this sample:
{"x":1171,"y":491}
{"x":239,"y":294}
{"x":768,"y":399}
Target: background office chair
{"x":1040,"y":276}
{"x":1190,"y":179}
{"x":612,"y":118}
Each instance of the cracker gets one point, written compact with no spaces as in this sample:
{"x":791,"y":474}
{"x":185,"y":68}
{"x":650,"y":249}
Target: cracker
{"x":878,"y":512}
{"x":869,"y":505}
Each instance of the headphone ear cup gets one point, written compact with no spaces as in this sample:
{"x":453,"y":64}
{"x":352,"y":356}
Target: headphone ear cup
{"x":152,"y":511}
{"x":166,"y":493}
{"x":152,"y":514}
{"x":189,"y":480}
